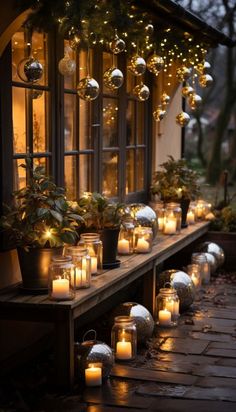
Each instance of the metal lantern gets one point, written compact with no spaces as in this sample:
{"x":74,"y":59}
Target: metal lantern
{"x":144,"y":216}
{"x":183,"y":284}
{"x":94,"y":353}
{"x":215,"y":250}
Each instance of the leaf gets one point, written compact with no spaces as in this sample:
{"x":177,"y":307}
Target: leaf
{"x":56,"y":215}
{"x":68,"y":237}
{"x":41,"y":212}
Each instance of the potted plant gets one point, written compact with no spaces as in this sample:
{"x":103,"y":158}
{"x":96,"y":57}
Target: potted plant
{"x":176,"y":182}
{"x":103,"y":216}
{"x":39,"y":223}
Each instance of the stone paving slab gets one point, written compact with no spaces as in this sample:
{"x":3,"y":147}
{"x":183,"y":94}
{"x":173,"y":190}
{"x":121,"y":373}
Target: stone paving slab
{"x":215,"y":337}
{"x":219,"y":345}
{"x":216,"y":382}
{"x":186,"y":345}
{"x":215,"y":370}
{"x":225,"y":353}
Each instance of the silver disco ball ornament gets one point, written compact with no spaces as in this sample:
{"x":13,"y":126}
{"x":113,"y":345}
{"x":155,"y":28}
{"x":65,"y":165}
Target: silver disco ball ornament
{"x":143,"y":319}
{"x":215,"y":250}
{"x":94,"y":352}
{"x":141,"y":92}
{"x":113,"y":78}
{"x":182,"y":283}
{"x":145,"y":216}
{"x":137,"y":65}
{"x":88,"y":89}
{"x":30,"y":70}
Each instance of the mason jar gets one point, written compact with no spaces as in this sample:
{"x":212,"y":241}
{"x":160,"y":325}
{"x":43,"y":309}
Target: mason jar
{"x":191,"y":215}
{"x":194,"y":271}
{"x":177,"y":213}
{"x":159,"y":208}
{"x":167,"y":307}
{"x":126,"y":239}
{"x":170,"y":222}
{"x":82,"y":262}
{"x":200,"y":209}
{"x":61,"y":278}
{"x":124,"y":338}
{"x":93,"y":243}
{"x":143,"y":239}
{"x":205,"y":270}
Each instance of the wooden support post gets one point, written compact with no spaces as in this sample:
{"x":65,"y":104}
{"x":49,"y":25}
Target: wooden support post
{"x":149,"y":290}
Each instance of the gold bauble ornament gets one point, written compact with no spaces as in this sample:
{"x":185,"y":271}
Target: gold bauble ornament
{"x":194,"y":101}
{"x":155,"y":64}
{"x":113,"y":78}
{"x":88,"y":89}
{"x":117,"y":45}
{"x":137,"y":65}
{"x":183,"y":73}
{"x":187,"y":91}
{"x":149,"y":29}
{"x":74,"y":38}
{"x":30,"y":70}
{"x":182,"y":119}
{"x":203,"y":68}
{"x":165,"y":98}
{"x":67,"y":66}
{"x":159,"y":114}
{"x":141,"y":92}
{"x":205,"y":80}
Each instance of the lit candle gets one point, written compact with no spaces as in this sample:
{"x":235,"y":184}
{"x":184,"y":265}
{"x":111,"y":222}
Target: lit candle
{"x":173,"y":307}
{"x":160,"y":223}
{"x":60,"y":289}
{"x":176,"y":308}
{"x":94,"y":265}
{"x":80,"y":277}
{"x":190,"y":218}
{"x":164,"y":317}
{"x":123,"y":350}
{"x":142,"y":245}
{"x":170,"y":226}
{"x":196,"y":280}
{"x":93,"y":376}
{"x":123,"y":246}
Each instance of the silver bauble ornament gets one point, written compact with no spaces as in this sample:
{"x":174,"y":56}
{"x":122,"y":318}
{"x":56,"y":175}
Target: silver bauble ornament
{"x":113,"y":78}
{"x":215,"y":250}
{"x":159,"y":114}
{"x":205,"y":80}
{"x":194,"y":101}
{"x":30,"y":70}
{"x":183,"y":73}
{"x":165,"y":98}
{"x":182,"y":283}
{"x":149,"y":29}
{"x":144,"y":215}
{"x":141,"y":92}
{"x":155,"y":64}
{"x":202,"y":68}
{"x":137,"y":65}
{"x":67,"y":66}
{"x":187,"y":91}
{"x":182,"y":119}
{"x":117,"y":45}
{"x":88,"y":89}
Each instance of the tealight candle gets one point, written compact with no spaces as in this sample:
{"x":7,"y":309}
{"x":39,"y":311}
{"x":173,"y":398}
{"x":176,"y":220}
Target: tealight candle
{"x":170,"y":226}
{"x":123,"y":246}
{"x":123,"y":350}
{"x":142,"y":245}
{"x":60,"y":288}
{"x":190,"y":217}
{"x":160,"y":223}
{"x":94,"y":265}
{"x":164,"y":317}
{"x":93,"y":376}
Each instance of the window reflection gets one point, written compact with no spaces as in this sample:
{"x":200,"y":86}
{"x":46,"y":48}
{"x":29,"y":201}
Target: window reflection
{"x":110,"y":174}
{"x":130,"y":123}
{"x":130,"y":172}
{"x":110,"y":125}
{"x":140,"y":169}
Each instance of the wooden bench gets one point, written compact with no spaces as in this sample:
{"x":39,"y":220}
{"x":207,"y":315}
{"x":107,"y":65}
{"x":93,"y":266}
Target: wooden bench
{"x":17,"y":306}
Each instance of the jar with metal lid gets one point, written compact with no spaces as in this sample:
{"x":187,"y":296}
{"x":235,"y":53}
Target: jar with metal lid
{"x":177,"y":213}
{"x":124,"y":338}
{"x":62,"y":278}
{"x":167,"y":307}
{"x":143,"y":238}
{"x":201,"y":260}
{"x":93,"y":243}
{"x":126,"y":239}
{"x":82,"y":262}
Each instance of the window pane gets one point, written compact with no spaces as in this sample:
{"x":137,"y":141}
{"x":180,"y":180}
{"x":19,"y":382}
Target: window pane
{"x":42,"y":161}
{"x":140,"y":118}
{"x":110,"y":123}
{"x":131,"y":81}
{"x":110,"y":174}
{"x":130,"y":123}
{"x":40,"y":120}
{"x":109,"y":61}
{"x":70,"y":122}
{"x":19,"y":174}
{"x":19,"y":126}
{"x":17,"y":52}
{"x":70,"y":81}
{"x":140,"y":169}
{"x":85,"y":121}
{"x":85,"y":177}
{"x":39,"y":52}
{"x":70,"y":177}
{"x":130,"y":172}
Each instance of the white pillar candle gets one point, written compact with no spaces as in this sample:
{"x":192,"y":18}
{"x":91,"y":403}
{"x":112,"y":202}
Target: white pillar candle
{"x":160,"y":223}
{"x":170,"y":226}
{"x":94,"y":265}
{"x":164,"y":317}
{"x":196,"y":280}
{"x":142,"y":245}
{"x":60,"y":288}
{"x":93,"y":376}
{"x":176,"y":308}
{"x":190,"y":218}
{"x":123,"y":246}
{"x":169,"y":305}
{"x":123,"y":350}
{"x":80,"y":277}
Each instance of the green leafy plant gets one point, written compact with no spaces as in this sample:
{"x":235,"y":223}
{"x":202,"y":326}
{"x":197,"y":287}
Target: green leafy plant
{"x":99,"y":212}
{"x":40,"y":216}
{"x":225,"y":219}
{"x":175,"y":181}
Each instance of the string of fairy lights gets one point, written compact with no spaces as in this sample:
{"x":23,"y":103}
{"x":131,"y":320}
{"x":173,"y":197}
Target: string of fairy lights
{"x":122,"y":27}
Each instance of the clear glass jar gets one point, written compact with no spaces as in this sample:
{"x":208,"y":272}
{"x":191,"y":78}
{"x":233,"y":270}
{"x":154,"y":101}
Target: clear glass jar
{"x":201,"y":259}
{"x":93,"y":243}
{"x":124,"y":338}
{"x":159,"y":209}
{"x":126,"y":239}
{"x":167,"y":307}
{"x":200,"y":209}
{"x":191,"y":214}
{"x":170,"y":222}
{"x":61,"y":278}
{"x":194,"y":271}
{"x":143,"y":238}
{"x":82,"y":262}
{"x":177,"y":213}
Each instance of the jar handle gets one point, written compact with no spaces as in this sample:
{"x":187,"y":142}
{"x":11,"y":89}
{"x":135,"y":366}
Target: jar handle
{"x":167,"y":284}
{"x":90,"y":331}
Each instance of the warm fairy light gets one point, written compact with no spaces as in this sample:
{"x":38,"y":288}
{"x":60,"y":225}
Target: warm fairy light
{"x":48,"y":233}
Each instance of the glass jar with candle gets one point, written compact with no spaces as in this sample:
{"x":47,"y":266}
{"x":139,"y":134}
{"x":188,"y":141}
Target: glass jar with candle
{"x":62,"y":278}
{"x":124,"y":338}
{"x":170,"y":221}
{"x":159,"y":208}
{"x":126,"y":239}
{"x":82,"y":262}
{"x":201,"y":260}
{"x":143,"y":238}
{"x":200,"y":209}
{"x":194,"y":271}
{"x":93,"y":243}
{"x":191,"y":213}
{"x":177,"y":213}
{"x":167,"y":307}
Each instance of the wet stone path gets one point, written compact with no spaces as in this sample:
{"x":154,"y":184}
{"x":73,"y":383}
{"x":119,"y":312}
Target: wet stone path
{"x":190,"y":367}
